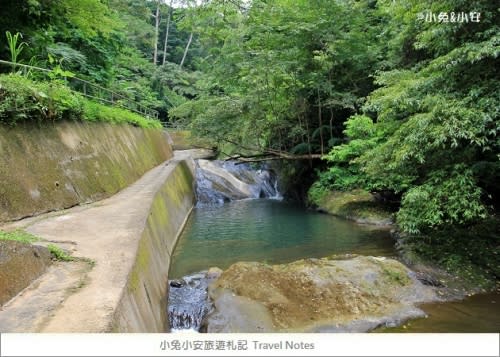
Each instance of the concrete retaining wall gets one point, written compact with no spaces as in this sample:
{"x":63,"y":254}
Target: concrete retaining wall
{"x":46,"y":169}
{"x":57,"y":166}
{"x":143,"y":306}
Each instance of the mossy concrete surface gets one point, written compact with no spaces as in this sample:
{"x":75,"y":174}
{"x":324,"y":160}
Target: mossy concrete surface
{"x":143,"y":304}
{"x":127,"y":240}
{"x":51,"y":167}
{"x":20,"y":264}
{"x":356,"y":205}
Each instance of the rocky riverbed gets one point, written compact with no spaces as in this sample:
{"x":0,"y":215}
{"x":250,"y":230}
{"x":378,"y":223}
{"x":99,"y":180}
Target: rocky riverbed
{"x":336,"y":294}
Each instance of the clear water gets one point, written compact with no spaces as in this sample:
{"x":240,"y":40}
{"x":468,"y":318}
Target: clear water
{"x":272,"y":231}
{"x":279,"y":232}
{"x":478,"y":313}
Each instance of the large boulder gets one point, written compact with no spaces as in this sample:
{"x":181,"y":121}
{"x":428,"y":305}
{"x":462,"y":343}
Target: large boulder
{"x":315,"y":295}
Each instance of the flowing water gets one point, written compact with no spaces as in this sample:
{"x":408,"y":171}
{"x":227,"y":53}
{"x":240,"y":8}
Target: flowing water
{"x":188,"y":302}
{"x":273,"y":231}
{"x":218,"y":182}
{"x":256,"y":230}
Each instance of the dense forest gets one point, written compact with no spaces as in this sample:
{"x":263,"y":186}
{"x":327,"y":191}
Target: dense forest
{"x":399,"y":98}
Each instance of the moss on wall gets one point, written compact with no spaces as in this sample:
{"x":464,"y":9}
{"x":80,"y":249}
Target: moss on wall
{"x":143,"y":305}
{"x":61,"y":165}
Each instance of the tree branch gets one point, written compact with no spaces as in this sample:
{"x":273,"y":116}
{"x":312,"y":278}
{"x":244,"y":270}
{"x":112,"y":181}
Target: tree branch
{"x":268,"y":154}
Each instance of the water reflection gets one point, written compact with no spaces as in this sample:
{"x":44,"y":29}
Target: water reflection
{"x":478,"y":313}
{"x":270,"y":231}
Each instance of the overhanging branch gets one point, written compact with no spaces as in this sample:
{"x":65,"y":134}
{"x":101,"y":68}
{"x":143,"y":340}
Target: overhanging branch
{"x":267,"y":154}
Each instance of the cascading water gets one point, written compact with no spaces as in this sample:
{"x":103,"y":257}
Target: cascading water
{"x":188,"y":302}
{"x":216,"y":182}
{"x":222,"y":181}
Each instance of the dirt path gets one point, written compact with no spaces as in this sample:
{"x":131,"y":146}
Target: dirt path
{"x":81,"y":296}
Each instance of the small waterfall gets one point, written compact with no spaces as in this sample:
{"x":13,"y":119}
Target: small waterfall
{"x":223,"y":181}
{"x":188,"y":302}
{"x":216,"y":182}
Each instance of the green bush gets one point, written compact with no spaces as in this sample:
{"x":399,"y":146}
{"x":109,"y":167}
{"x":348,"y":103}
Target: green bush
{"x":316,"y":193}
{"x":98,"y":112}
{"x":59,"y":254}
{"x":341,"y":178}
{"x":447,"y":198}
{"x":24,"y":100}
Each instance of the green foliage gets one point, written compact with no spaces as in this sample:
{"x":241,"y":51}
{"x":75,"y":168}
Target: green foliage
{"x":18,"y":236}
{"x":15,"y":47}
{"x":359,"y":127}
{"x":435,"y":138}
{"x":274,"y":74}
{"x":22,"y":99}
{"x":471,"y":254}
{"x":317,"y":192}
{"x":446,"y":198}
{"x":361,"y":135}
{"x":67,"y":54}
{"x":92,"y":17}
{"x":59,"y":254}
{"x":398,"y":105}
{"x":98,"y":112}
{"x":341,"y":178}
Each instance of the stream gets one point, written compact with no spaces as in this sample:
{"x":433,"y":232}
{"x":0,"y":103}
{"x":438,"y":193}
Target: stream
{"x":222,"y":231}
{"x":269,"y":231}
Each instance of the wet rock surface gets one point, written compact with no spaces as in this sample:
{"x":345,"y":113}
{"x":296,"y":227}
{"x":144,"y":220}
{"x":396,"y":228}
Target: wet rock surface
{"x":188,"y":301}
{"x":223,"y":181}
{"x":345,"y":294}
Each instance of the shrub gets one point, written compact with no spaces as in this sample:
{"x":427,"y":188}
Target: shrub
{"x":98,"y":112}
{"x":59,"y":254}
{"x":23,"y":100}
{"x":316,"y":193}
{"x":446,"y":198}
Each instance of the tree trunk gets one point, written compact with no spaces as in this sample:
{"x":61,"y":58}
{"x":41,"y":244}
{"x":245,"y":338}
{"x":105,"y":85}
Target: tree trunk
{"x":186,"y":49}
{"x":331,"y":123}
{"x":166,"y":34}
{"x":157,"y":28}
{"x":308,"y":141}
{"x":320,"y":119}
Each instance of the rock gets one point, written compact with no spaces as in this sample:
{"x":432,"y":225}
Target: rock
{"x":177,"y":283}
{"x":315,"y":295}
{"x":214,"y":273}
{"x":238,"y":313}
{"x":20,"y":264}
{"x":356,"y":205}
{"x":222,"y":181}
